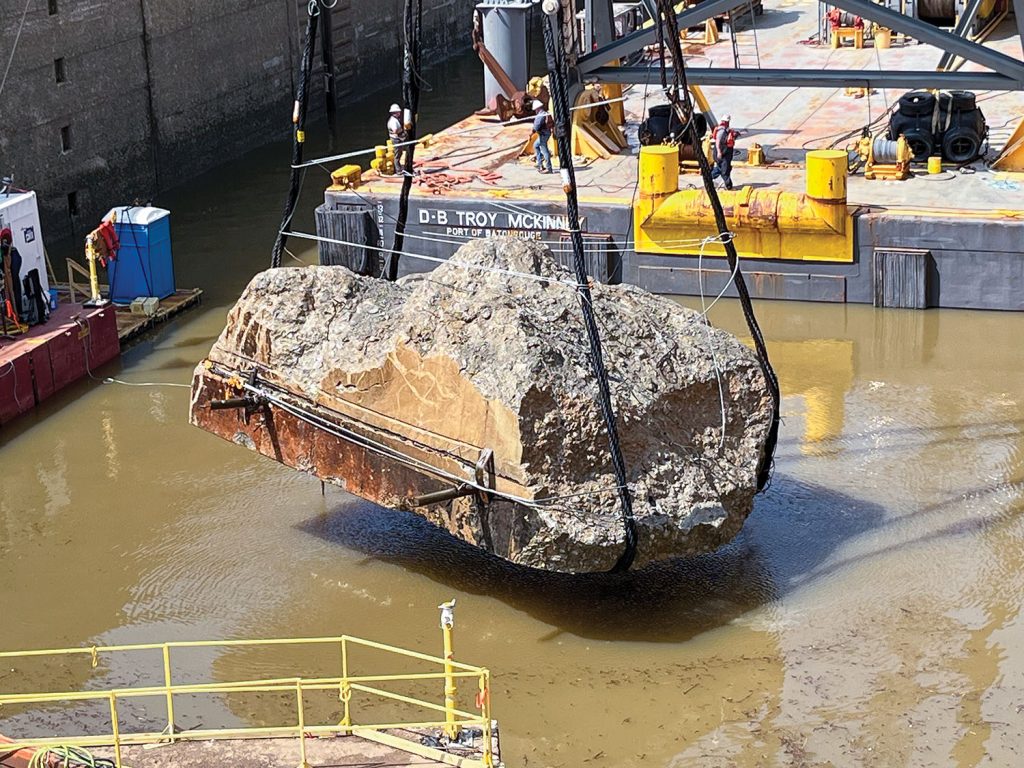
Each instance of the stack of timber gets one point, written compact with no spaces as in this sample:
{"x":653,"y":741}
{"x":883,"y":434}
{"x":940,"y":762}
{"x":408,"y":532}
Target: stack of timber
{"x":476,"y":379}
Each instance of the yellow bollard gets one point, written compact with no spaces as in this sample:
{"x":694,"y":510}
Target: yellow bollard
{"x":883,"y":37}
{"x":659,"y":170}
{"x":450,"y":691}
{"x":755,"y":155}
{"x":826,"y":174}
{"x":935,"y":164}
{"x":826,"y":186}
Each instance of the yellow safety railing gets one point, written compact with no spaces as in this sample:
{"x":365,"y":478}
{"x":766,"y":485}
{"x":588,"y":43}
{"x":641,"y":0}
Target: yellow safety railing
{"x":450,"y":718}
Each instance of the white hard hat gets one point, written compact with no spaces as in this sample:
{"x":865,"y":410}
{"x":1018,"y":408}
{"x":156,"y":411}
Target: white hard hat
{"x":537,"y":104}
{"x":395,"y":108}
{"x":726,"y":118}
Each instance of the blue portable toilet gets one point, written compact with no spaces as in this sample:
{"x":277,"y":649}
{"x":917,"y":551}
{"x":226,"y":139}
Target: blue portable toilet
{"x":143,"y":266}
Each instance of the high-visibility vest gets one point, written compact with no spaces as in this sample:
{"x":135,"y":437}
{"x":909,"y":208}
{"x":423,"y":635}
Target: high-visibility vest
{"x":730,"y":137}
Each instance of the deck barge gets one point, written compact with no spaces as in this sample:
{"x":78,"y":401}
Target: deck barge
{"x":74,"y":342}
{"x":952,"y":239}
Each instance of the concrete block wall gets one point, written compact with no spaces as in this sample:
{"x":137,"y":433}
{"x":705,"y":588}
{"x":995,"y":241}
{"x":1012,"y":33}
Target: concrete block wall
{"x":158,"y":91}
{"x":104,"y":153}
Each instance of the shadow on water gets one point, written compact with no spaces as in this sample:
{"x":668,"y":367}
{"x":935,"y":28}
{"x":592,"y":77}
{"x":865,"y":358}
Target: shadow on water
{"x":793,"y":530}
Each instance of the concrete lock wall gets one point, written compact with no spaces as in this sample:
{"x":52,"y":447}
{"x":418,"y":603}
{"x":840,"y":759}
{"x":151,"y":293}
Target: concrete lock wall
{"x":154,"y":92}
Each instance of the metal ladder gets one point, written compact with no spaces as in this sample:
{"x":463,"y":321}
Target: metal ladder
{"x":743,"y":45}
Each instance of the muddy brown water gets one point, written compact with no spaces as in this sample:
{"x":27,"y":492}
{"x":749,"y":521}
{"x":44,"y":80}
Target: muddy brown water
{"x":867,"y":614}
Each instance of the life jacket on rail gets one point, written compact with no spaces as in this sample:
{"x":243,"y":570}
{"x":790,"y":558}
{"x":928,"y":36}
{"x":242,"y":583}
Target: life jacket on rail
{"x":105,"y":241}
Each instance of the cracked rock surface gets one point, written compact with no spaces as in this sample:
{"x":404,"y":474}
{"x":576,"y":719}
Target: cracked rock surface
{"x":470,"y":357}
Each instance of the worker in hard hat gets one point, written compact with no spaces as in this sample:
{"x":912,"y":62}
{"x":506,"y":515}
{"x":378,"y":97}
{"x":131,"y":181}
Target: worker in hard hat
{"x":10,"y":276}
{"x":542,"y":125}
{"x":397,"y":134}
{"x":723,"y":143}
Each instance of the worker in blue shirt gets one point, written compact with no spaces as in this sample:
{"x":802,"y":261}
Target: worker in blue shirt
{"x":542,"y":125}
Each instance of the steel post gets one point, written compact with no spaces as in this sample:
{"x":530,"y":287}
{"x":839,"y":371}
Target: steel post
{"x":115,"y":729}
{"x":170,"y":696}
{"x":1018,"y":12}
{"x":302,"y":724}
{"x":450,"y":691}
{"x":505,"y":37}
{"x":598,"y":27}
{"x":346,"y":689}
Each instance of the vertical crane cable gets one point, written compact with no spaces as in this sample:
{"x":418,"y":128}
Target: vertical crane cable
{"x":299,"y":135}
{"x":558,"y":74}
{"x":679,"y":95}
{"x":413,"y":18}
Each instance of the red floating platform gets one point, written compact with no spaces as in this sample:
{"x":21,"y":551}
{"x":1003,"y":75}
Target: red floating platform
{"x":33,"y":366}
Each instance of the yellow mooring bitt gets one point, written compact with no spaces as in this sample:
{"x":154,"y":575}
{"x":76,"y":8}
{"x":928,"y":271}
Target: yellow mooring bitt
{"x":372,"y":691}
{"x":766,"y":223}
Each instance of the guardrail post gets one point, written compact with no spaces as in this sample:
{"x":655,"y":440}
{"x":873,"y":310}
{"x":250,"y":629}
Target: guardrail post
{"x":169,"y":695}
{"x":115,"y":729}
{"x":346,"y":690}
{"x":302,"y":724}
{"x":485,"y":714}
{"x":450,"y":691}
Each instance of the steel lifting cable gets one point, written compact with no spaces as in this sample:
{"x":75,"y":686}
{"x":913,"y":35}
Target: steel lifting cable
{"x":558,"y":74}
{"x":411,"y":94}
{"x":299,"y":135}
{"x":684,"y":109}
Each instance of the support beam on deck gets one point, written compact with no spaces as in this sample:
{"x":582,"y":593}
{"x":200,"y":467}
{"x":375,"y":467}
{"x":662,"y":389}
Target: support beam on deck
{"x":963,"y":25}
{"x":819,"y":78}
{"x":598,"y":24}
{"x":637,"y":40}
{"x":1011,"y":69}
{"x":941,"y":39}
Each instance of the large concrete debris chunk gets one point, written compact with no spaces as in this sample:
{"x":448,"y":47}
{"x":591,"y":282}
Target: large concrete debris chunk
{"x":477,"y":375}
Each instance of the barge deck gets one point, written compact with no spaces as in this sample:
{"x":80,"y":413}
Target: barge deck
{"x":75,"y":341}
{"x":952,"y":239}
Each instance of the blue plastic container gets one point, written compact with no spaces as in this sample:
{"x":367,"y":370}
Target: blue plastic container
{"x":53,"y":298}
{"x":143,"y":266}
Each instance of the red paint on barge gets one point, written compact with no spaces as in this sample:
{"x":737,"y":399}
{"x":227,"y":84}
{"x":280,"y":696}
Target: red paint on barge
{"x":34,"y":366}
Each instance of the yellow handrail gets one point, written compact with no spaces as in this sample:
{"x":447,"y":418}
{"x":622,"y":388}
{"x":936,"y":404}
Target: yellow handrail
{"x":452,"y":718}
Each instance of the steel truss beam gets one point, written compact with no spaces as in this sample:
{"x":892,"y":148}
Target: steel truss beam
{"x":940,"y":38}
{"x":1018,"y":12}
{"x":637,"y":40}
{"x":592,"y":64}
{"x":598,"y":24}
{"x":818,"y":78}
{"x":963,"y":24}
{"x":651,"y":6}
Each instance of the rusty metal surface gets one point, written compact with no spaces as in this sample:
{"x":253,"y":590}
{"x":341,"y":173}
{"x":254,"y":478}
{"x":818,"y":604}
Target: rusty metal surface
{"x":292,"y":441}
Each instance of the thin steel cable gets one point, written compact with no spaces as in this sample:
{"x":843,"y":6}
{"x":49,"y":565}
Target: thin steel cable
{"x":14,"y":48}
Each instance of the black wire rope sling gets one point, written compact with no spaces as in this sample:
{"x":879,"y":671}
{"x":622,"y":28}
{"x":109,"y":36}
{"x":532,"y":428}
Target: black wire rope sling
{"x":557,"y":75}
{"x":679,"y":96}
{"x":299,"y":110}
{"x":413,"y":18}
